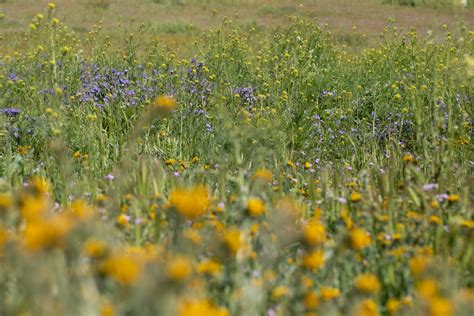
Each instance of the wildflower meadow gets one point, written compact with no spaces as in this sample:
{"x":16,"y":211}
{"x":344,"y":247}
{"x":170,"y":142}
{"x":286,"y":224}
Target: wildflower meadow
{"x":257,"y":172}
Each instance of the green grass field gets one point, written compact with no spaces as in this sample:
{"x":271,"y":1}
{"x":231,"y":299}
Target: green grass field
{"x":236,"y":158}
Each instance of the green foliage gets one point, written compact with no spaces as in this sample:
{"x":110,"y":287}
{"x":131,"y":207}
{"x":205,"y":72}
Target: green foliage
{"x":306,"y":167}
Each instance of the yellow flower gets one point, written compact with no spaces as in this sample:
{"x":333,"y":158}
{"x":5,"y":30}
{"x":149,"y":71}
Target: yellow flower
{"x":3,"y":238}
{"x":314,"y":261}
{"x":360,"y":239}
{"x":468,"y":224}
{"x":418,"y":264}
{"x":440,"y":307}
{"x":314,"y":233}
{"x":356,"y":197}
{"x":179,"y":268}
{"x":328,"y":293}
{"x":453,"y":198}
{"x":367,"y":283}
{"x":200,"y":307}
{"x":393,"y":305}
{"x":164,"y":105}
{"x":107,"y":310}
{"x":255,"y":207}
{"x":42,"y":234}
{"x":6,"y":201}
{"x":427,"y":288}
{"x":408,"y":158}
{"x":434,"y":219}
{"x":367,"y":308}
{"x":80,"y":210}
{"x":94,"y":248}
{"x":263,"y":175}
{"x":170,"y":162}
{"x":123,"y":219}
{"x":193,"y":235}
{"x":232,"y":240}
{"x":41,"y":185}
{"x":190,"y":203}
{"x":311,"y":300}
{"x":123,"y":268}
{"x":209,"y":267}
{"x":279,"y":292}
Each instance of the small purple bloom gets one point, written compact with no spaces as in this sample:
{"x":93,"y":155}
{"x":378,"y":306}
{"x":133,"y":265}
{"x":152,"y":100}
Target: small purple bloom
{"x":342,"y":200}
{"x":430,"y":186}
{"x":11,"y":112}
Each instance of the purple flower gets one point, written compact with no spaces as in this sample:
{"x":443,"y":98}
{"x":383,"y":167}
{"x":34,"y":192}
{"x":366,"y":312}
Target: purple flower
{"x":430,"y":186}
{"x":11,"y":112}
{"x":109,"y":177}
{"x":342,"y":200}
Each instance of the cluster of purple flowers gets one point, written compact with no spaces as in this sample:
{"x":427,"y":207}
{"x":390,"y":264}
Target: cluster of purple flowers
{"x":247,"y":95}
{"x":197,"y":84}
{"x":101,"y":86}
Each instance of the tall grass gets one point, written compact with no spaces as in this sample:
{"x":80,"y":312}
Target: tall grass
{"x":274,"y":173}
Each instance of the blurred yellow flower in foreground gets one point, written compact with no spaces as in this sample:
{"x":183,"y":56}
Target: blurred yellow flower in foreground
{"x":179,"y":268}
{"x":164,"y":105}
{"x":418,"y":264}
{"x":440,"y":307}
{"x":314,"y":260}
{"x":200,"y":307}
{"x":190,"y":203}
{"x":124,"y":269}
{"x":367,"y":283}
{"x":314,"y":233}
{"x":367,"y":308}
{"x":360,"y":239}
{"x":263,"y":175}
{"x":94,"y":248}
{"x":255,"y":207}
{"x":6,"y":201}
{"x":232,"y":240}
{"x":328,"y":293}
{"x":209,"y":267}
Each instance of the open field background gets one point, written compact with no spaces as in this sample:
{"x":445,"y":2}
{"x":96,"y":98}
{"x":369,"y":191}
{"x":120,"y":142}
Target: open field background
{"x":178,"y":22}
{"x":260,"y":165}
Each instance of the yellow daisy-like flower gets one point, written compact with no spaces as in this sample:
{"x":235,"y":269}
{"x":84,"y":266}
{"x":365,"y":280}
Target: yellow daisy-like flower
{"x":209,"y":267}
{"x":94,"y":248}
{"x":200,"y":307}
{"x":367,"y":283}
{"x":367,"y":308}
{"x":329,"y":293}
{"x":179,"y":268}
{"x":356,"y":197}
{"x":314,"y":261}
{"x":6,"y":201}
{"x":124,"y":269}
{"x":418,"y":264}
{"x":453,"y":198}
{"x":190,"y":203}
{"x":360,"y":239}
{"x":279,"y":292}
{"x":164,"y":105}
{"x":314,"y":233}
{"x":255,"y":207}
{"x":232,"y":240}
{"x":263,"y":175}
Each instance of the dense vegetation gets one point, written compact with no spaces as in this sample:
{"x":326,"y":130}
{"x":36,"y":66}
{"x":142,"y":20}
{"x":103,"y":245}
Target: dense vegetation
{"x":273,"y":174}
